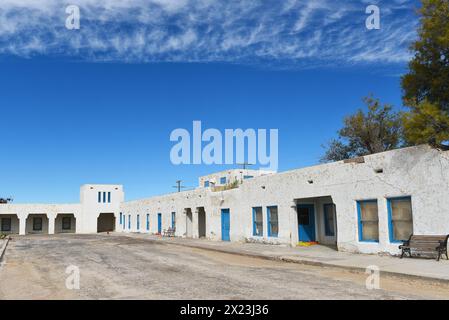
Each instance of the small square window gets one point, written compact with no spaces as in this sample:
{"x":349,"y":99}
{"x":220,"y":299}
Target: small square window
{"x":37,"y":224}
{"x":66,"y":223}
{"x":6,"y":224}
{"x":223,"y":180}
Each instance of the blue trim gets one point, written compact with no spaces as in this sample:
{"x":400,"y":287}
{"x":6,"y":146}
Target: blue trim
{"x":390,"y":218}
{"x":206,"y":184}
{"x":124,"y":223}
{"x":223,"y":180}
{"x":247,"y":177}
{"x":254,"y":222}
{"x":109,"y":197}
{"x":159,"y":223}
{"x":104,"y":197}
{"x":173,"y":219}
{"x":359,"y":222}
{"x":120,"y":218}
{"x":129,"y":222}
{"x":99,"y":196}
{"x":138,"y":222}
{"x":270,"y":234}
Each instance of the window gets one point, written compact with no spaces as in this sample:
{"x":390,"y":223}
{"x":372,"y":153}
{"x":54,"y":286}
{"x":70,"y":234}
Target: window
{"x":257,"y":222}
{"x":99,"y":196}
{"x":173,"y":220}
{"x":206,"y":184}
{"x":104,"y":197}
{"x":138,"y":222}
{"x":247,"y":177}
{"x":223,"y":180}
{"x":37,"y":224}
{"x":124,"y":222}
{"x":329,"y":219}
{"x":368,"y":221}
{"x":6,"y":224}
{"x":129,"y":221}
{"x":109,"y":197}
{"x":121,"y":217}
{"x":400,"y":219}
{"x":148,"y":222}
{"x":273,"y":226}
{"x":66,"y":223}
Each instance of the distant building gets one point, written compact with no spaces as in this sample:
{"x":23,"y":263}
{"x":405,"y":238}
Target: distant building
{"x":368,"y":205}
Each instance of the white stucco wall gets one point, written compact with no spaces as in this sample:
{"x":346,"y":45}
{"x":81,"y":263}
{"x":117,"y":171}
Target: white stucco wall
{"x":419,"y":172}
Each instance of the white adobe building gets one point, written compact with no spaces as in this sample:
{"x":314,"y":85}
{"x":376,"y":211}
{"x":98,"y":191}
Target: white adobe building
{"x":368,"y":205}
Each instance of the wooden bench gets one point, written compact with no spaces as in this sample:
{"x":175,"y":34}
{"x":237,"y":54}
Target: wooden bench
{"x":170,"y":232}
{"x":425,"y":244}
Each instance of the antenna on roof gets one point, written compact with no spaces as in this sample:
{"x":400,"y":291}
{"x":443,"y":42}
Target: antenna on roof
{"x":179,"y":186}
{"x":245,"y":164}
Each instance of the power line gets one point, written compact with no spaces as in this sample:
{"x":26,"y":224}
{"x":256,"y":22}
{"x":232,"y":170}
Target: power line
{"x":245,"y":164}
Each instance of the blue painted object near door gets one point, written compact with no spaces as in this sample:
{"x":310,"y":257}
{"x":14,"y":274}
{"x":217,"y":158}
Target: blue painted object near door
{"x":306,"y":222}
{"x":159,"y":223}
{"x":225,"y":225}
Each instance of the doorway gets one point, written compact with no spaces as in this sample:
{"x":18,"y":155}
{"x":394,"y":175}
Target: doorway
{"x":306,"y":222}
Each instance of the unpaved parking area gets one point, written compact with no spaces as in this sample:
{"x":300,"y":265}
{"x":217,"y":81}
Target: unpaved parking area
{"x":120,"y":267}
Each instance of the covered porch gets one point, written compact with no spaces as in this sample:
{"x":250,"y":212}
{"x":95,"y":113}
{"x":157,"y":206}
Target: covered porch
{"x":316,"y":221}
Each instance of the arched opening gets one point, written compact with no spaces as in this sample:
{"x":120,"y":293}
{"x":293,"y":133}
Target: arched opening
{"x":36,"y":224}
{"x":106,"y":222}
{"x":65,"y":223}
{"x":9,"y":224}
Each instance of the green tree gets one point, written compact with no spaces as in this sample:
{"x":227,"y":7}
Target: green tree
{"x":426,"y":86}
{"x":379,"y":129}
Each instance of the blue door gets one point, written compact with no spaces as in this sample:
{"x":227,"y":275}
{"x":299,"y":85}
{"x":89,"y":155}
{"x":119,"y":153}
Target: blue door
{"x":159,"y":223}
{"x":306,"y":222}
{"x":225,"y":225}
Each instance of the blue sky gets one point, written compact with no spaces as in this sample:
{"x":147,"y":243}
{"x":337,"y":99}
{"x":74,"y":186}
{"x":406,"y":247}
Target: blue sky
{"x":97,"y":105}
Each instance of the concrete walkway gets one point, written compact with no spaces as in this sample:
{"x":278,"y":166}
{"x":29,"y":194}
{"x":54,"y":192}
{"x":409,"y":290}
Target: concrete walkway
{"x":421,"y":268}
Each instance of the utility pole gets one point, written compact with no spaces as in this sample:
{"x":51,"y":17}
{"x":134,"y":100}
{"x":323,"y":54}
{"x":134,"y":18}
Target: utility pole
{"x":179,"y":186}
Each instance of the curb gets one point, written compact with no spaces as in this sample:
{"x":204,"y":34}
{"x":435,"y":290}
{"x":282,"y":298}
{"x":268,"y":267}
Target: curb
{"x":3,"y":249}
{"x":312,"y":263}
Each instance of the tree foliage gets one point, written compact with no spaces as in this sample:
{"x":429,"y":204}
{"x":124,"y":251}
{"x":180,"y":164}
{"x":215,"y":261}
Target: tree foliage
{"x":426,"y":86}
{"x":379,"y":129}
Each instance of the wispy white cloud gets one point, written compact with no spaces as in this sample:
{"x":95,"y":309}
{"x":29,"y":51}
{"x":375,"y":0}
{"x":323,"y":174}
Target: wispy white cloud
{"x":294,"y":33}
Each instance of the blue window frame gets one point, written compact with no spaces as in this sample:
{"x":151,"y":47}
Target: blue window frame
{"x":148,"y":222}
{"x":206,"y":184}
{"x":400,"y":219}
{"x":129,"y":222}
{"x":368,"y":220}
{"x":173,"y":220}
{"x":223,"y":180}
{"x":99,"y":196}
{"x":109,"y":197}
{"x":104,"y":197}
{"x":272,"y":221}
{"x":121,"y":217}
{"x":257,"y":222}
{"x":138,"y":222}
{"x":247,"y":177}
{"x":329,"y":219}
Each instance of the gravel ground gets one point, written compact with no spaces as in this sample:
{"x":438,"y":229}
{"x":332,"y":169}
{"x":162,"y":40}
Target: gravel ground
{"x":120,"y":267}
